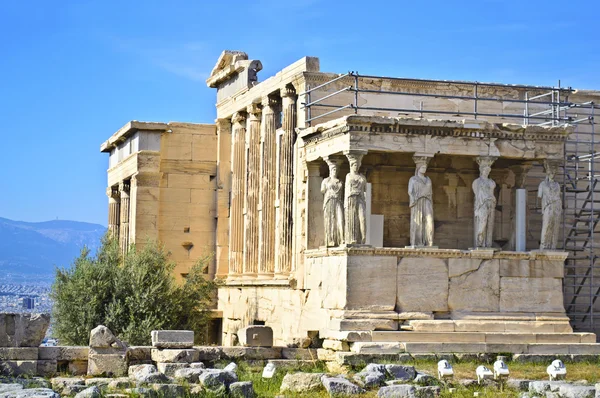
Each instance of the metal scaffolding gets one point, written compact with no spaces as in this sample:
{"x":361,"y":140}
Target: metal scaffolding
{"x":546,"y":106}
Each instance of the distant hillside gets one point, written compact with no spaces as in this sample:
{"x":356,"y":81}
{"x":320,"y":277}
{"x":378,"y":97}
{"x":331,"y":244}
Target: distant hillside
{"x":34,"y":249}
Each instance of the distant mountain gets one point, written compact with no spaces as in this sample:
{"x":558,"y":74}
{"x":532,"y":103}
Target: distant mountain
{"x":34,"y":249}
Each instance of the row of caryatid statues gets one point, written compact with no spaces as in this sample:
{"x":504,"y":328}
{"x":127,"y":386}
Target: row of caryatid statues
{"x":345,"y":218}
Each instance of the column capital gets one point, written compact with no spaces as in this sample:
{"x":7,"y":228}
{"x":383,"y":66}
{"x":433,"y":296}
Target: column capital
{"x":112,"y":192}
{"x":269,"y":102}
{"x":223,"y":124}
{"x":239,"y":117}
{"x":520,"y":171}
{"x":287,"y":92}
{"x":313,"y":168}
{"x":254,"y":111}
{"x":124,"y":187}
{"x":486,"y":161}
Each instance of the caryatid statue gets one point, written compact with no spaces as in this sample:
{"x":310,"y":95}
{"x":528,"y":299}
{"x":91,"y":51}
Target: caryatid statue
{"x":333,"y":205}
{"x":485,"y":203}
{"x":355,"y":202}
{"x":549,"y":192}
{"x":421,"y":205}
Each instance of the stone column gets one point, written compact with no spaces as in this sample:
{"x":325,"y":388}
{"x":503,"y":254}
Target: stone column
{"x":252,"y":190}
{"x":236,"y":218}
{"x":223,"y":196}
{"x":267,"y":186}
{"x":124,"y":225}
{"x":113,"y":211}
{"x":285,"y":230}
{"x":519,"y":208}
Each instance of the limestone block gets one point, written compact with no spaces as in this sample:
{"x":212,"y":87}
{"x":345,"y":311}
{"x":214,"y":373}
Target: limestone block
{"x":422,"y":285}
{"x":301,"y":382}
{"x":326,"y":355}
{"x":363,"y":324}
{"x":19,"y":353}
{"x":139,"y":353}
{"x":172,"y":338}
{"x":359,"y":282}
{"x":47,"y":368}
{"x":170,"y":368}
{"x":252,"y":353}
{"x":340,"y":386}
{"x":377,"y":348}
{"x":433,"y":326}
{"x":207,"y":353}
{"x":531,"y":295}
{"x":103,"y":337}
{"x":256,"y":336}
{"x":531,"y":268}
{"x":77,"y":367}
{"x":335,"y":345}
{"x":474,"y":285}
{"x":299,"y":353}
{"x":64,"y":353}
{"x":107,"y":364}
{"x":23,"y":330}
{"x":19,"y":368}
{"x":175,"y":355}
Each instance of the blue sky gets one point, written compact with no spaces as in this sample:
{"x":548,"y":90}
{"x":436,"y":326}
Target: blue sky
{"x":73,"y":72}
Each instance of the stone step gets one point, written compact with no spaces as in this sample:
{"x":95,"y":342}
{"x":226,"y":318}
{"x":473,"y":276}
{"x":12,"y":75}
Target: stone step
{"x":482,"y":337}
{"x":475,"y":348}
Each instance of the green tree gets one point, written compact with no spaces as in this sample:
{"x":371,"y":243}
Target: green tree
{"x":131,"y":295}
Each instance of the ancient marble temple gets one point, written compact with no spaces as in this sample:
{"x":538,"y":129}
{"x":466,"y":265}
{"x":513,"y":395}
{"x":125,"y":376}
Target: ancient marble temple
{"x":369,"y":229}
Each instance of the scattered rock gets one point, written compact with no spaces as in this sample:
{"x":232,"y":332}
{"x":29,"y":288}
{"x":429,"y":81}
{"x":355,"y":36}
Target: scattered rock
{"x":189,"y":375}
{"x":574,"y":391}
{"x":142,"y":392}
{"x":216,"y":379}
{"x":300,"y":382}
{"x":197,"y":365}
{"x":68,"y":385}
{"x":425,"y":379}
{"x":241,"y":389}
{"x":90,"y":392}
{"x":269,"y":370}
{"x":401,"y":372}
{"x":32,"y":393}
{"x":103,"y":337}
{"x":370,"y":379}
{"x":10,"y":387}
{"x":147,"y":374}
{"x":232,"y":367}
{"x":169,"y":390}
{"x":340,"y":386}
{"x":120,"y":383}
{"x":397,"y":391}
{"x":170,"y":368}
{"x":518,"y":384}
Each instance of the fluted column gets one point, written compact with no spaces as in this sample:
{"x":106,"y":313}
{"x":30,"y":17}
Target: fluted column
{"x":252,"y":190}
{"x":238,"y":168}
{"x":113,"y":211}
{"x":267,"y":186}
{"x":124,"y":216}
{"x":286,"y":179}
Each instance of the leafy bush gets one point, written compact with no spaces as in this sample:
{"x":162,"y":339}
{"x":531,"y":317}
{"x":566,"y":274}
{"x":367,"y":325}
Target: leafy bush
{"x":131,"y":295}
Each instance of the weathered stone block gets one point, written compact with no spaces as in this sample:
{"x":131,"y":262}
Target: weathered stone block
{"x":107,"y":364}
{"x":531,"y":295}
{"x":47,"y":368}
{"x":103,"y":337}
{"x":251,"y":352}
{"x":19,"y":353}
{"x":175,"y":355}
{"x":172,"y":338}
{"x":416,"y":294}
{"x":256,"y":336}
{"x":77,"y":368}
{"x":359,"y":282}
{"x":139,"y":353}
{"x":18,"y":368}
{"x":23,"y":330}
{"x":299,"y":353}
{"x":377,"y":348}
{"x":64,"y":353}
{"x":301,"y":382}
{"x":474,"y":285}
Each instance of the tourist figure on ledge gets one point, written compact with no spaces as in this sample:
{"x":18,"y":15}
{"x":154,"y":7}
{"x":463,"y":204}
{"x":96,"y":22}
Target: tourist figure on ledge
{"x":421,"y":205}
{"x":355,"y":203}
{"x":485,"y":203}
{"x":333,"y":202}
{"x":549,"y":192}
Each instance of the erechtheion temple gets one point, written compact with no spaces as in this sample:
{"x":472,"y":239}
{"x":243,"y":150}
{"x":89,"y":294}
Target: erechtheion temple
{"x":389,"y":214}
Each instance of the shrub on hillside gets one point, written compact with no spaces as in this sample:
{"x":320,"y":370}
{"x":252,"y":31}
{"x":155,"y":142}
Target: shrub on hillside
{"x":131,"y":295}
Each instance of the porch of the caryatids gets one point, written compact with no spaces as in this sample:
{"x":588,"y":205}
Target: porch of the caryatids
{"x":236,"y":219}
{"x":285,"y":216}
{"x":252,"y":192}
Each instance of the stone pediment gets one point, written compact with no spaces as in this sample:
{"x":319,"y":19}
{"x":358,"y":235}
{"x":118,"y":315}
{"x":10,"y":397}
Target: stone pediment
{"x":229,"y":64}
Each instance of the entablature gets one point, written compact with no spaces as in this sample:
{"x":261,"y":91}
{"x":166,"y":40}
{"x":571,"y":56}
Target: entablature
{"x":434,"y":136}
